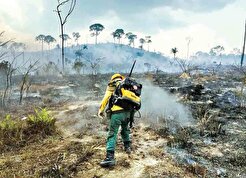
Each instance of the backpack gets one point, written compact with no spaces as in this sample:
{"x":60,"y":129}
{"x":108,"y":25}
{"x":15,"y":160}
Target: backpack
{"x":127,"y":95}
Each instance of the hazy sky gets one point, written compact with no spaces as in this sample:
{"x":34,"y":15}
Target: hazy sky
{"x":169,"y":22}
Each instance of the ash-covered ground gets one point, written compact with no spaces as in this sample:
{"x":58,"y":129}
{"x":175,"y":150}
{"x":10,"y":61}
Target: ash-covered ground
{"x":189,"y":127}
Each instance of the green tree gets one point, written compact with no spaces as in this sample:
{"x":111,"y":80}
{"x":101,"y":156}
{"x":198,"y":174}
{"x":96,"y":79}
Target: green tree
{"x":41,"y":39}
{"x":96,"y":29}
{"x":114,"y":35}
{"x":49,"y":39}
{"x":66,"y":37}
{"x":148,"y":40}
{"x":79,"y":54}
{"x":76,"y":37}
{"x":217,"y":50}
{"x":77,"y":66}
{"x":142,"y":41}
{"x":131,"y":37}
{"x":174,"y":52}
{"x":119,"y":34}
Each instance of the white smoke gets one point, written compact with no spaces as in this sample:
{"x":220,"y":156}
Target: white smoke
{"x":119,"y":58}
{"x":158,"y":104}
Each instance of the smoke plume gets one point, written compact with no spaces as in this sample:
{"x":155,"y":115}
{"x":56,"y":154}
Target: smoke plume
{"x":157,"y":104}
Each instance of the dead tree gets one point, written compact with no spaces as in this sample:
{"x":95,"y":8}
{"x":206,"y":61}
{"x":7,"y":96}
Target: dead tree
{"x":243,"y":45}
{"x":94,"y":63}
{"x":63,"y":21}
{"x":185,"y":65}
{"x":9,"y":75}
{"x":148,"y":66}
{"x":50,"y":69}
{"x":3,"y":43}
{"x":25,"y":79}
{"x":238,"y":69}
{"x":6,"y":70}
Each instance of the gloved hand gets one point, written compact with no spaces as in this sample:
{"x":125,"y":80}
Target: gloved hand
{"x":100,"y":114}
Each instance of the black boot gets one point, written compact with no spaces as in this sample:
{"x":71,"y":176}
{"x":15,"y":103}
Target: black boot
{"x":109,"y":161}
{"x":127,"y":146}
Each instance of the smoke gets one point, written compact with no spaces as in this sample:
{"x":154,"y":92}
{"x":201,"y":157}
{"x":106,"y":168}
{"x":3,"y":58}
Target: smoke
{"x":159,"y":105}
{"x":116,"y":58}
{"x":119,"y":58}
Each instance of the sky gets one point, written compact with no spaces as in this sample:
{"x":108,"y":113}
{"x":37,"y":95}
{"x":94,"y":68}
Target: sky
{"x":170,"y":23}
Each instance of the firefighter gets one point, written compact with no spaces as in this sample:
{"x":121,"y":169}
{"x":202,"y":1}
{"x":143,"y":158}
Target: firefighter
{"x":118,"y":117}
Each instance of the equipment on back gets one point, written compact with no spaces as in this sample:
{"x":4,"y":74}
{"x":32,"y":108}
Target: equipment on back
{"x":127,"y":93}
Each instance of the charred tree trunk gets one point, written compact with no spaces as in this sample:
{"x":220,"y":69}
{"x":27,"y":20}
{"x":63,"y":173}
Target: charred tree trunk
{"x":42,"y":48}
{"x":96,"y":38}
{"x":25,"y":80}
{"x":10,"y":83}
{"x":243,"y":45}
{"x":21,"y":92}
{"x":5,"y":91}
{"x":62,"y":22}
{"x":62,"y":47}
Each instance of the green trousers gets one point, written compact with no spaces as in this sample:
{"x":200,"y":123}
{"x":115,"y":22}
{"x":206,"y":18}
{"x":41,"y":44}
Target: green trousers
{"x":117,"y":120}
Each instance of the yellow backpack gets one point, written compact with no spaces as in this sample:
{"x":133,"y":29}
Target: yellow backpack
{"x":128,"y":95}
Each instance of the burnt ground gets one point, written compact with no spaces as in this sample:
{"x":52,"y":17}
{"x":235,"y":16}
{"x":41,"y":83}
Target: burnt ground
{"x":213,"y":147}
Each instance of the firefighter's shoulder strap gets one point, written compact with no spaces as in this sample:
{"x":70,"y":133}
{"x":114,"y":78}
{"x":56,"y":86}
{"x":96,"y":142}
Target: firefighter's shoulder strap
{"x":107,"y":97}
{"x":112,"y":85}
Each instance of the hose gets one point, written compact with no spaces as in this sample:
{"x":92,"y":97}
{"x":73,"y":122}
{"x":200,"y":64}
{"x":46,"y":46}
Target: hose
{"x":139,"y":115}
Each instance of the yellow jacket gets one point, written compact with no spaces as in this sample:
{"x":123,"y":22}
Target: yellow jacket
{"x":109,"y":91}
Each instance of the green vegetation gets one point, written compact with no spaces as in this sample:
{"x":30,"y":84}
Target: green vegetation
{"x":11,"y":132}
{"x":16,"y":133}
{"x":41,"y":123}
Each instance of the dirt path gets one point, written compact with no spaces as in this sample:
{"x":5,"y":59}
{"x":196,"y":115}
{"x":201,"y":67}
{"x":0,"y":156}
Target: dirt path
{"x":78,"y":152}
{"x":127,"y":165}
{"x":148,"y":158}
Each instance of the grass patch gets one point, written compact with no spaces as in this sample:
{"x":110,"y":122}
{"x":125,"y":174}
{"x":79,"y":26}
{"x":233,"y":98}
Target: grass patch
{"x":15,"y":133}
{"x":11,"y":132}
{"x":41,"y":123}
